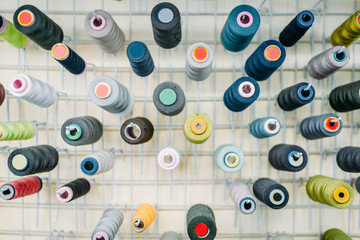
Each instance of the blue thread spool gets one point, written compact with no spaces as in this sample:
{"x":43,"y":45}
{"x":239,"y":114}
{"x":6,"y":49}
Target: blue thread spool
{"x":241,"y":94}
{"x":68,"y":58}
{"x":140,"y":59}
{"x":264,"y":61}
{"x":294,"y":31}
{"x":240,"y":28}
{"x":265,"y":127}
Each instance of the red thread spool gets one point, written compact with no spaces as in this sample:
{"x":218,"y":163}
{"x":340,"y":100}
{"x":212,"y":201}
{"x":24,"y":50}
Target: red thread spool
{"x":20,"y":188}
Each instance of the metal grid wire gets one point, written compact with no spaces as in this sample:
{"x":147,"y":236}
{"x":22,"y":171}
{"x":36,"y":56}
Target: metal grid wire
{"x":136,"y":178}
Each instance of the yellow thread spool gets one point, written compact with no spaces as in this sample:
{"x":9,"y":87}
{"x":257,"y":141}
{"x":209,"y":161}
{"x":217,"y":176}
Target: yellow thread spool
{"x":144,"y":216}
{"x":348,"y":32}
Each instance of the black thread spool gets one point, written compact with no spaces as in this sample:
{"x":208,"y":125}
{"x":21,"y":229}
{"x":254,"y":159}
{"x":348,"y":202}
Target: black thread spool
{"x":137,"y":130}
{"x":357,"y":184}
{"x":81,"y":130}
{"x":37,"y":26}
{"x":200,"y":221}
{"x":140,"y":59}
{"x":296,"y":96}
{"x":287,"y":157}
{"x":68,"y":58}
{"x":73,"y":190}
{"x":346,"y":97}
{"x":32,"y":160}
{"x":297,"y":28}
{"x":348,"y":159}
{"x":321,"y":126}
{"x":271,"y":193}
{"x":166,"y":24}
{"x":169,"y":98}
{"x":2,"y":94}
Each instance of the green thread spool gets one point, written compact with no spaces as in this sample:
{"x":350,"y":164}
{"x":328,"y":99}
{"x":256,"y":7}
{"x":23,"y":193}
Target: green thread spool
{"x":330,"y":191}
{"x":198,"y":128}
{"x":348,"y":32}
{"x":334,"y":234}
{"x":10,"y":34}
{"x":16,"y":131}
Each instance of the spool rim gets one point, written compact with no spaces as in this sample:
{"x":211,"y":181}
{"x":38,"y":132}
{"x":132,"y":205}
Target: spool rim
{"x":137,"y":228}
{"x":201,"y":230}
{"x":272,"y":53}
{"x":101,"y":235}
{"x":102,"y":90}
{"x":64,"y":194}
{"x":358,"y":18}
{"x":77,"y":134}
{"x":253,"y":205}
{"x":94,"y":23}
{"x":293,"y":162}
{"x":246,"y":85}
{"x":16,"y":80}
{"x":5,"y":188}
{"x":269,"y":122}
{"x":20,"y":162}
{"x":165,"y":15}
{"x":95,"y":166}
{"x":200,"y":54}
{"x":198,"y":126}
{"x":4,"y":25}
{"x":167,"y":96}
{"x":338,"y":197}
{"x":233,"y":161}
{"x":300,"y":93}
{"x":173,"y":156}
{"x":131,"y":135}
{"x":328,"y":127}
{"x":272,"y":195}
{"x":26,"y":20}
{"x":340,"y":56}
{"x":60,"y":51}
{"x":241,"y":21}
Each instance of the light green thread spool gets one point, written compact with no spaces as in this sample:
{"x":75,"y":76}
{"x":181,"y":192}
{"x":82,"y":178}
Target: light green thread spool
{"x":9,"y":33}
{"x":16,"y":131}
{"x":334,"y":234}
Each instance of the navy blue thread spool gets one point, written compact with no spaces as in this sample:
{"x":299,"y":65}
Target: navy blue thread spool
{"x":240,"y":28}
{"x":296,"y":96}
{"x":321,"y":126}
{"x":346,"y":97}
{"x":271,"y":193}
{"x":68,"y":58}
{"x":241,"y":94}
{"x":140,"y":59}
{"x":264,"y":61}
{"x":265,"y":127}
{"x":287,"y":157}
{"x":294,"y":31}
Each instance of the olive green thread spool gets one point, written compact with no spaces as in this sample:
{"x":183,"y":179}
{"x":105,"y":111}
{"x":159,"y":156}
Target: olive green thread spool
{"x":198,"y":128}
{"x":10,"y":34}
{"x":334,"y":234}
{"x":348,"y":32}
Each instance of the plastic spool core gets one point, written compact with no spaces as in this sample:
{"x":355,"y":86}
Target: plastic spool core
{"x":139,"y":225}
{"x":198,"y":126}
{"x":18,"y":83}
{"x":19,"y":162}
{"x":244,"y":19}
{"x":272,"y":53}
{"x":89,"y":166}
{"x":339,"y":56}
{"x":306,"y":17}
{"x":200,"y":54}
{"x":330,"y":125}
{"x":295,"y":159}
{"x":341,"y":195}
{"x":73,"y":132}
{"x":272,"y":126}
{"x":96,"y":24}
{"x":26,"y":18}
{"x":64,"y":195}
{"x":102,"y":90}
{"x":7,"y":192}
{"x":167,"y":97}
{"x":132,"y":131}
{"x":277,"y":197}
{"x":201,"y":230}
{"x":305,"y":93}
{"x":231,"y":160}
{"x":168,"y":159}
{"x":246,"y":89}
{"x":60,"y":51}
{"x":165,"y":15}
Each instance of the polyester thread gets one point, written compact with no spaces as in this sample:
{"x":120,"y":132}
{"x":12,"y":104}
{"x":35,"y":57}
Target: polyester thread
{"x":16,"y":131}
{"x":296,"y":96}
{"x":169,"y":157}
{"x":20,"y":188}
{"x":199,"y":59}
{"x":348,"y":32}
{"x":321,"y":126}
{"x":198,"y":128}
{"x":200,"y":221}
{"x":265,"y":127}
{"x":108,"y":225}
{"x":348,"y":159}
{"x":228,"y":158}
{"x":68,"y":58}
{"x":271,"y":193}
{"x":288,"y":157}
{"x":169,"y":98}
{"x":137,"y":130}
{"x":73,"y":190}
{"x":10,"y":34}
{"x":242,"y":196}
{"x":144,"y":216}
{"x":97,"y":163}
{"x":334,"y":234}
{"x":346,"y":97}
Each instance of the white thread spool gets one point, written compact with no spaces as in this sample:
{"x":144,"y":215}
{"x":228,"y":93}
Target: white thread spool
{"x":98,"y":162}
{"x":169,"y":157}
{"x":242,"y":196}
{"x":199,"y":60}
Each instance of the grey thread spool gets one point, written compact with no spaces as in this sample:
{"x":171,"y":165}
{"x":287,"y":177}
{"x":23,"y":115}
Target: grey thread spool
{"x":321,"y":126}
{"x":288,"y":157}
{"x":242,"y":196}
{"x":170,"y":236}
{"x":111,"y":96}
{"x":200,"y":221}
{"x":98,"y":162}
{"x":328,"y":62}
{"x":108,"y":225}
{"x":104,"y":31}
{"x":169,"y":98}
{"x":199,"y":59}
{"x":32,"y":90}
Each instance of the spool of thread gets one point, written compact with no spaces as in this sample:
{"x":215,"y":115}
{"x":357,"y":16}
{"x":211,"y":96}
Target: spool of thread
{"x":169,"y":157}
{"x":228,"y":158}
{"x":288,"y":157}
{"x":170,"y":236}
{"x":241,"y":94}
{"x":348,"y":159}
{"x":328,"y":62}
{"x":240,"y":28}
{"x":137,"y":130}
{"x":357,"y":184}
{"x":169,"y":98}
{"x":334,"y":234}
{"x":264,"y":61}
{"x":10,"y":34}
{"x":2,"y":94}
{"x":265,"y":127}
{"x":271,"y":193}
{"x":144,"y":216}
{"x":111,"y":96}
{"x":166,"y":25}
{"x":73,"y":190}
{"x":104,"y":31}
{"x":242,"y":196}
{"x":321,"y":126}
{"x":329,"y":191}
{"x":198,"y":128}
{"x":16,"y":131}
{"x":32,"y":90}
{"x":98,"y":162}
{"x":346,"y":97}
{"x":297,"y":28}
{"x":32,"y":160}
{"x":68,"y":58}
{"x":20,"y":188}
{"x":140,"y":59}
{"x":81,"y":130}
{"x":199,"y":59}
{"x":200,"y":221}
{"x":37,"y":26}
{"x":108,"y":225}
{"x":296,"y":96}
{"x":348,"y":32}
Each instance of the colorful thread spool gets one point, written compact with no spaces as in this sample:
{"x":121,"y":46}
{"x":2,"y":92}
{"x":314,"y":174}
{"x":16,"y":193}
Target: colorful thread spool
{"x":265,"y":127}
{"x":81,"y":130}
{"x":170,"y":236}
{"x":73,"y":190}
{"x":328,"y":62}
{"x":140,"y":59}
{"x":264,"y":61}
{"x":228,"y":158}
{"x":20,"y":188}
{"x":111,"y":96}
{"x":104,"y":31}
{"x":329,"y":191}
{"x":271,"y":193}
{"x":348,"y":159}
{"x":137,"y":130}
{"x":346,"y":97}
{"x":32,"y":160}
{"x":169,"y":98}
{"x":240,"y":28}
{"x":169,"y":157}
{"x":68,"y":58}
{"x":2,"y":94}
{"x":321,"y":126}
{"x":200,"y":220}
{"x":10,"y":34}
{"x":296,"y":96}
{"x":242,"y":196}
{"x":144,"y":216}
{"x":199,"y":59}
{"x":16,"y":131}
{"x":348,"y":32}
{"x":241,"y":94}
{"x":98,"y":162}
{"x":108,"y":225}
{"x":37,"y":26}
{"x":296,"y":29}
{"x":198,"y":128}
{"x":287,"y":157}
{"x":334,"y":234}
{"x":166,"y":25}
{"x":32,"y":90}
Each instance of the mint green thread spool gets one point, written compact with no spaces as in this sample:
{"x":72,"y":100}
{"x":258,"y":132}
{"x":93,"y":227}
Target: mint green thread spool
{"x":10,"y":34}
{"x":334,"y":234}
{"x":16,"y":131}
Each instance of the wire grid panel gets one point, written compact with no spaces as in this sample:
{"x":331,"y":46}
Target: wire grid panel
{"x":136,"y":178}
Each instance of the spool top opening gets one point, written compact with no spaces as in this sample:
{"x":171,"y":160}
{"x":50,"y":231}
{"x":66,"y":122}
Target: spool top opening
{"x":7,"y":192}
{"x":244,"y":19}
{"x":88,"y":166}
{"x":198,"y":126}
{"x":272,"y":125}
{"x":277,"y":196}
{"x":26,"y":18}
{"x":132,"y":131}
{"x":102,"y":90}
{"x":97,"y":23}
{"x":340,"y":56}
{"x":20,"y":162}
{"x":201,"y":230}
{"x":305,"y":93}
{"x":73,"y":132}
{"x":165,"y":15}
{"x":64,"y":195}
{"x":60,"y":51}
{"x":332,"y":124}
{"x":200,"y":54}
{"x":17,"y":84}
{"x":139,"y":225}
{"x":168,"y":159}
{"x":306,"y":17}
{"x":272,"y":53}
{"x":295,"y":158}
{"x":341,"y":195}
{"x":246,"y":89}
{"x":231,"y":160}
{"x":247,"y":205}
{"x":167,"y":97}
